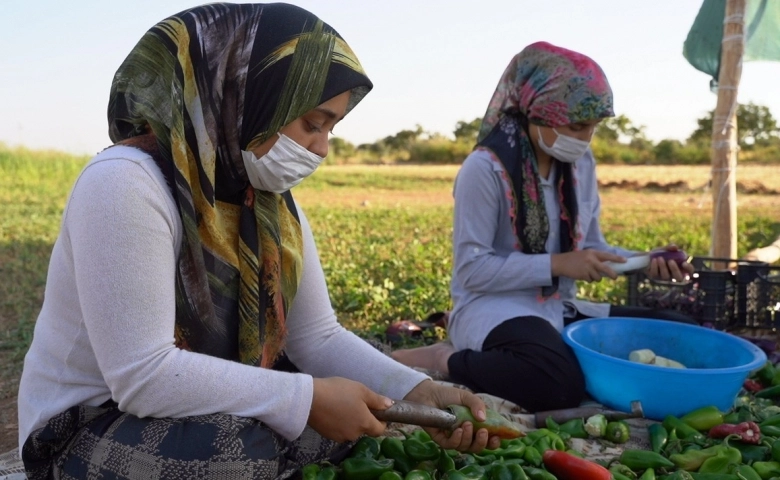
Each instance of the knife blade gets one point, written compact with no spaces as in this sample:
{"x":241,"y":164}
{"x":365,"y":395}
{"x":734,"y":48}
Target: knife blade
{"x":413,"y":413}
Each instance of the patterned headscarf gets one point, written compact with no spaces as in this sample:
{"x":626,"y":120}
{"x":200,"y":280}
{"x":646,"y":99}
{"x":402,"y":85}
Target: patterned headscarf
{"x":209,"y":82}
{"x":549,"y":86}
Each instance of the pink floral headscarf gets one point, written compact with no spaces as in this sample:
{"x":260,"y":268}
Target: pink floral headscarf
{"x":549,"y":86}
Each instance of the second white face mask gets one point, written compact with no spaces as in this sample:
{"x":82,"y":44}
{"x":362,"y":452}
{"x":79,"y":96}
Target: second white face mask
{"x":564,"y":148}
{"x":284,"y":166}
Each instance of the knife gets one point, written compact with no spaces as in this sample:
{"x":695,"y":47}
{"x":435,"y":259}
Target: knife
{"x":412,"y":413}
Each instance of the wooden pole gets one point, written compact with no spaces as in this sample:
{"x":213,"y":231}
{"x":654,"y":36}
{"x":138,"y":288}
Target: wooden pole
{"x":724,"y":134}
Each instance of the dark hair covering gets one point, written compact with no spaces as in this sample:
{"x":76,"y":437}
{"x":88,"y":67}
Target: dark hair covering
{"x":209,"y":82}
{"x":550,"y":86}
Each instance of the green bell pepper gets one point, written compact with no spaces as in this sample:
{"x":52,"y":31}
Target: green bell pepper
{"x":535,"y":473}
{"x":617,"y":432}
{"x":365,"y":447}
{"x":418,"y":475}
{"x":364,"y":468}
{"x":421,"y":450}
{"x":767,"y":470}
{"x":329,"y":473}
{"x":391,"y":475}
{"x":658,"y":436}
{"x":649,"y":474}
{"x":684,"y":431}
{"x":393,"y":448}
{"x":446,"y":463}
{"x":746,"y":472}
{"x":310,"y":471}
{"x":703,"y":418}
{"x":644,"y":459}
{"x":517,"y":472}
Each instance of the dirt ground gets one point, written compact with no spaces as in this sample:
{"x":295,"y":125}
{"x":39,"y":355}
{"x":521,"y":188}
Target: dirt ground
{"x":620,"y":189}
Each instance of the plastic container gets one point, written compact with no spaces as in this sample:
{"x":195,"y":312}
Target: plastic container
{"x":758,"y":296}
{"x":718,"y":363}
{"x":709,"y":297}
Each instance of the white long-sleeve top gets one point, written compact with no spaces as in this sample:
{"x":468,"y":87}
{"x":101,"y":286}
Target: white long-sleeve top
{"x":492,"y":281}
{"x":106,"y":327}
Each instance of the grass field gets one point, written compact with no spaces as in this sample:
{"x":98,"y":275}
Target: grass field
{"x":383,"y":234}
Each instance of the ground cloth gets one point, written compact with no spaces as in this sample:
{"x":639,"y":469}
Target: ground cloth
{"x":11,"y":467}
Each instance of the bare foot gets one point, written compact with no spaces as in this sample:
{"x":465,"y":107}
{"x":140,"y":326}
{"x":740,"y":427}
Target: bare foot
{"x":431,"y":357}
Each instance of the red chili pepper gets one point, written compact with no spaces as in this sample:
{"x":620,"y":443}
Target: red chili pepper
{"x":752,"y":386}
{"x":749,"y":432}
{"x":566,"y":466}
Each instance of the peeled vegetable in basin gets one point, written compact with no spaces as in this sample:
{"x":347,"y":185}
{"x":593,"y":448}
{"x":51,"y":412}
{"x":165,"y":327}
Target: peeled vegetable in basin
{"x":648,"y":357}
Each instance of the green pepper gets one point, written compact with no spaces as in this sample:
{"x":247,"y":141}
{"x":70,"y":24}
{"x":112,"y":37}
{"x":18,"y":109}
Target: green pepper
{"x":752,"y":453}
{"x":535,"y":473}
{"x":330,"y":473}
{"x":746,"y":472}
{"x":365,"y":447}
{"x":464,"y":459}
{"x":517,"y":472}
{"x":679,"y":475}
{"x":446,"y":463}
{"x":499,"y":471}
{"x":658,"y":436}
{"x":771,"y":420}
{"x":770,"y":392}
{"x":364,"y":468}
{"x":621,"y":472}
{"x":510,"y":451}
{"x":494,"y":422}
{"x":766,"y":373}
{"x":644,"y":459}
{"x":573,"y":428}
{"x":310,"y":471}
{"x":473,"y":472}
{"x":418,"y":475}
{"x":713,"y":476}
{"x":418,"y":434}
{"x":391,"y":475}
{"x":770,"y":430}
{"x":617,"y":432}
{"x":703,"y":418}
{"x":393,"y":448}
{"x":532,"y":456}
{"x":429,"y":466}
{"x":768,"y":469}
{"x":684,"y":431}
{"x":454,"y":475}
{"x":691,"y":460}
{"x":726,"y":457}
{"x":649,"y":474}
{"x":421,"y":450}
{"x":622,"y":469}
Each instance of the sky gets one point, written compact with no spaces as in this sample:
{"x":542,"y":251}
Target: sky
{"x":433,"y":62}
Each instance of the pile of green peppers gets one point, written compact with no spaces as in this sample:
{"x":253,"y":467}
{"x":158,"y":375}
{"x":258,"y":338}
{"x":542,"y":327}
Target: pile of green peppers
{"x":681,"y":448}
{"x":418,"y":457}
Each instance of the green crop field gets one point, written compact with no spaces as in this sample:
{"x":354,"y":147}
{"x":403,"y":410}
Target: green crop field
{"x":383,"y":234}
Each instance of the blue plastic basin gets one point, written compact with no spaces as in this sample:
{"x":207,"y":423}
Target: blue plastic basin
{"x":718,"y":364}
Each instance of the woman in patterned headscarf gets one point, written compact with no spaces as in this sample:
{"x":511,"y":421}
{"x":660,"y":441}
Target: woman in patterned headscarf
{"x":526,"y":228}
{"x":185,"y":274}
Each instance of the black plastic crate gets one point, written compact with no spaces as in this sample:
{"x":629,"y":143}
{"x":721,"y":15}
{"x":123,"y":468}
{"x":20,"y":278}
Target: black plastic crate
{"x":758,"y":295}
{"x":709,"y":297}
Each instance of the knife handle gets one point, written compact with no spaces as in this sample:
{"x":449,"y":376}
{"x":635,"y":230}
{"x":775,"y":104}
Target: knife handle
{"x":416,"y":414}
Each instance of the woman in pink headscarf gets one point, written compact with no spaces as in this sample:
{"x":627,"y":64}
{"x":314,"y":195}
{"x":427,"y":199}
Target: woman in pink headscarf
{"x":526,"y":228}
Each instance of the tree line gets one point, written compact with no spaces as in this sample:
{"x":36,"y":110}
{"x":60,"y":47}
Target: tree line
{"x":617,"y":140}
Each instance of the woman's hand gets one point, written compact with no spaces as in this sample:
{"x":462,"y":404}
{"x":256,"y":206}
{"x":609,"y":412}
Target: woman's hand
{"x":668,"y":270}
{"x":463,"y":438}
{"x":340,"y":409}
{"x":585,"y":265}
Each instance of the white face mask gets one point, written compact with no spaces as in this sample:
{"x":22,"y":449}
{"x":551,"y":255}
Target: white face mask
{"x":284,"y":166}
{"x":564,"y":148}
